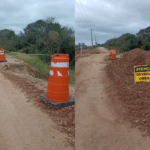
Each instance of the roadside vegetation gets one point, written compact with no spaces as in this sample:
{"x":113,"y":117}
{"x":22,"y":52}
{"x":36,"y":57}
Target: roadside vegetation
{"x":40,"y":65}
{"x":38,"y":41}
{"x":127,"y":42}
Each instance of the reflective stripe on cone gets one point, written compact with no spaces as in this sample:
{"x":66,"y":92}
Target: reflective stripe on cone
{"x":51,"y":72}
{"x":59,"y":74}
{"x":113,"y":53}
{"x":60,"y":64}
{"x":2,"y":56}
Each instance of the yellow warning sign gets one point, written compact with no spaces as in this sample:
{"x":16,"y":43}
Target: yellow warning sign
{"x":142,"y":73}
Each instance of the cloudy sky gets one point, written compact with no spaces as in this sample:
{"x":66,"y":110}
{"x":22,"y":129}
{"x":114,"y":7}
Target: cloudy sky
{"x":17,"y":14}
{"x":109,"y":19}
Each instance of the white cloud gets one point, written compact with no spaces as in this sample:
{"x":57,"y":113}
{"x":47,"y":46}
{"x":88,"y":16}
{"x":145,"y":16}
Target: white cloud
{"x":110,"y":18}
{"x":83,"y":1}
{"x":17,"y":14}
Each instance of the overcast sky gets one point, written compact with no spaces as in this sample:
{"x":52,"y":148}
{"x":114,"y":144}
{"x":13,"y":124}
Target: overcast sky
{"x":109,"y":19}
{"x":17,"y":14}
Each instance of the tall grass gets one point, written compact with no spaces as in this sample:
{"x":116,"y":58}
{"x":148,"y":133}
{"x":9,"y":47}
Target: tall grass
{"x":40,"y":65}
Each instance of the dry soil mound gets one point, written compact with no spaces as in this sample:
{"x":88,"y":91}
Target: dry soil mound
{"x":96,"y":52}
{"x":134,"y":97}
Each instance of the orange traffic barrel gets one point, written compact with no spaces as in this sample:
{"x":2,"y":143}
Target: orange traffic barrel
{"x":113,"y":53}
{"x":58,"y":84}
{"x":2,"y":56}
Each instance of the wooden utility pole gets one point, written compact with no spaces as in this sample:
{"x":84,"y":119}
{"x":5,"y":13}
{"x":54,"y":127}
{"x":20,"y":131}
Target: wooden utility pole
{"x":81,"y":48}
{"x":92,"y":38}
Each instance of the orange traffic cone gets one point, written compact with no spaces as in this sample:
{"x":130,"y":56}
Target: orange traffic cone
{"x":113,"y":54}
{"x":58,"y":84}
{"x":2,"y":56}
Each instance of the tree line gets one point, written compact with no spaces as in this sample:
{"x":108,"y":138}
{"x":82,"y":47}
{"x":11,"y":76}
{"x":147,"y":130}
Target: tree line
{"x":127,"y":42}
{"x":40,"y":37}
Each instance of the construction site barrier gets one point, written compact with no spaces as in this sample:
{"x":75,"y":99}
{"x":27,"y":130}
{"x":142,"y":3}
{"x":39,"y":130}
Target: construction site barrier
{"x":58,"y":84}
{"x":113,"y":53}
{"x":2,"y":56}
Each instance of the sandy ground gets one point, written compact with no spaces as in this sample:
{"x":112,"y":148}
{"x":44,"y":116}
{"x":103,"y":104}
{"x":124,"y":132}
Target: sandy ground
{"x":23,"y":126}
{"x":98,"y":125}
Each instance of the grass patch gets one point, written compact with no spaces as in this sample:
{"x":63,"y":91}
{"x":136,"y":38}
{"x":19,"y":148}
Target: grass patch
{"x":123,"y":53}
{"x":72,"y":76}
{"x":39,"y":64}
{"x":17,"y":60}
{"x":32,"y":60}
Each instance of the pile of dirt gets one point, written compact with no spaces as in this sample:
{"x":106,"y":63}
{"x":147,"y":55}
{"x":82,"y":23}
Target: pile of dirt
{"x":96,"y":52}
{"x":63,"y":117}
{"x":133,"y":97}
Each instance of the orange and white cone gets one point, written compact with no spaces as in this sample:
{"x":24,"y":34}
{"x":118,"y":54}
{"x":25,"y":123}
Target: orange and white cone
{"x":58,"y":84}
{"x":2,"y":56}
{"x":113,"y":54}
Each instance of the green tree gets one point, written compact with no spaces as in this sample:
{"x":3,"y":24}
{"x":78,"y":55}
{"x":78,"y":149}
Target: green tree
{"x":52,"y":39}
{"x":147,"y":46}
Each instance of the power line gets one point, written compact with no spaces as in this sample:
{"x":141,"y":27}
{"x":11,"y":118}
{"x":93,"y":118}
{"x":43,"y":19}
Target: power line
{"x":78,"y":15}
{"x":85,"y":19}
{"x":84,"y":10}
{"x":81,"y":12}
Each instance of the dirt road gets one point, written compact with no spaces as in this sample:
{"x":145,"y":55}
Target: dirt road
{"x":98,"y":125}
{"x":23,"y":126}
